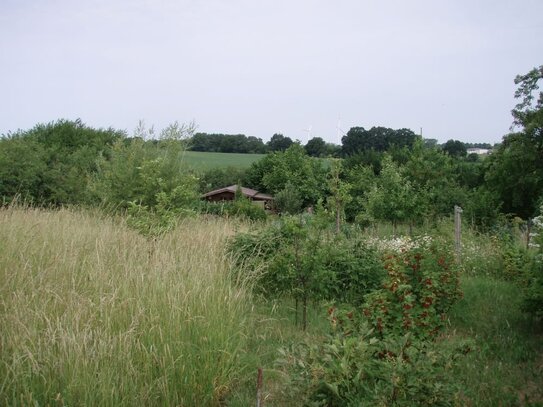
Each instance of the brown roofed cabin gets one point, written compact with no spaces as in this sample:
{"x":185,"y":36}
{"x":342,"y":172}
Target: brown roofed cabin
{"x":229,"y":194}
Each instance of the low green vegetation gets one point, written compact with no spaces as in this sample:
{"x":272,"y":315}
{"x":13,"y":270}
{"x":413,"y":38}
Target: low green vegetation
{"x":94,"y":314}
{"x":119,"y":285}
{"x":504,"y":365}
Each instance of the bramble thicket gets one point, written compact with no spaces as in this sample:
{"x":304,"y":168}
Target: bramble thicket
{"x":349,"y":293}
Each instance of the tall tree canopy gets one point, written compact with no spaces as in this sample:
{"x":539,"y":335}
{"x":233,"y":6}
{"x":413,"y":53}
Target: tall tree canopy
{"x":278,"y":142}
{"x":227,"y":143}
{"x":515,"y":170}
{"x":316,"y":147}
{"x":359,"y":139}
{"x":455,"y":148}
{"x":275,"y":171}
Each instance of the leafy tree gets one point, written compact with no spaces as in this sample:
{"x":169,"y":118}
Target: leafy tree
{"x":255,"y":145}
{"x":361,"y":180}
{"x":482,"y":208}
{"x":515,"y":169}
{"x":469,"y":173}
{"x":434,"y":177}
{"x":297,"y":257}
{"x":377,"y":138}
{"x":278,"y":142}
{"x":455,"y":148}
{"x":143,"y":173}
{"x":316,"y":147}
{"x":59,"y":160}
{"x":515,"y":174}
{"x":254,"y":175}
{"x":289,"y":200}
{"x":339,"y":192}
{"x":215,"y":178}
{"x":23,"y":164}
{"x":227,"y":143}
{"x":393,"y":198}
{"x":430,"y":142}
{"x":527,"y":114}
{"x":292,"y":166}
{"x":365,"y":158}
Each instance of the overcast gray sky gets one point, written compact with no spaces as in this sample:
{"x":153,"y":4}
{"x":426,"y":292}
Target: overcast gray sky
{"x":260,"y":67}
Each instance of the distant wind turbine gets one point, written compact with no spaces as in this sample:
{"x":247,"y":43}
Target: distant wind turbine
{"x":340,"y":132}
{"x":308,"y":131}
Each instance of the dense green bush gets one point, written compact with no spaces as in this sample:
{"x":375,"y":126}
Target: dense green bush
{"x":360,"y":369}
{"x":52,"y":164}
{"x":288,"y":200}
{"x":300,"y":257}
{"x":533,"y":295}
{"x":384,"y":352}
{"x":241,"y":207}
{"x":420,"y":287}
{"x":221,"y":177}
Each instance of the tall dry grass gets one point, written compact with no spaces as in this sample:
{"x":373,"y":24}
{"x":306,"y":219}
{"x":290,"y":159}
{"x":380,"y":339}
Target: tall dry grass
{"x":91,"y":313}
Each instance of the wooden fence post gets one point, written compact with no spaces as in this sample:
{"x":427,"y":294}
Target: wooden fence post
{"x":259,"y":380}
{"x":458,"y":232}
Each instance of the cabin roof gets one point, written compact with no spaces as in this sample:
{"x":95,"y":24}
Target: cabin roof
{"x":248,"y":192}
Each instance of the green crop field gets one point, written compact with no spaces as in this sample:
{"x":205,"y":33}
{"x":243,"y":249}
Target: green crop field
{"x":205,"y":161}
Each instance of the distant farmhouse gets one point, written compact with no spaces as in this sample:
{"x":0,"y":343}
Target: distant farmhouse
{"x":479,"y":151}
{"x":229,"y":194}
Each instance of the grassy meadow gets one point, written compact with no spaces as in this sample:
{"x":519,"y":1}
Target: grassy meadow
{"x":92,"y":313}
{"x":203,"y":161}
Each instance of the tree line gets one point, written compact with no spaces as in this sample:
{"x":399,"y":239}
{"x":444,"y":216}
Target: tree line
{"x":355,"y":140}
{"x":387,"y":173}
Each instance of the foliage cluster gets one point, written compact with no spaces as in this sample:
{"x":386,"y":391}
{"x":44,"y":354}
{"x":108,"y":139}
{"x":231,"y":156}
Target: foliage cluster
{"x":53,"y":164}
{"x":377,"y":139}
{"x":525,"y":268}
{"x":69,"y":163}
{"x":386,"y":350}
{"x":420,"y":287}
{"x":360,"y":370}
{"x":515,"y":170}
{"x":300,"y":257}
{"x":317,"y":147}
{"x":275,"y":171}
{"x":216,"y":178}
{"x":240,"y":207}
{"x":512,"y":253}
{"x":227,"y":143}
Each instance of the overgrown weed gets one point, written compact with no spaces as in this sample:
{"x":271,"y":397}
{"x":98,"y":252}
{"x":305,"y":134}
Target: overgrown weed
{"x":89,"y":317}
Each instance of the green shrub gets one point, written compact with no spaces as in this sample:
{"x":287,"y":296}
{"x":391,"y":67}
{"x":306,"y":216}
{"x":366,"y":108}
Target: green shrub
{"x":420,"y":287}
{"x":385,"y":352}
{"x":289,"y":200}
{"x":300,"y":257}
{"x":364,"y":370}
{"x":242,"y":208}
{"x":533,"y":301}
